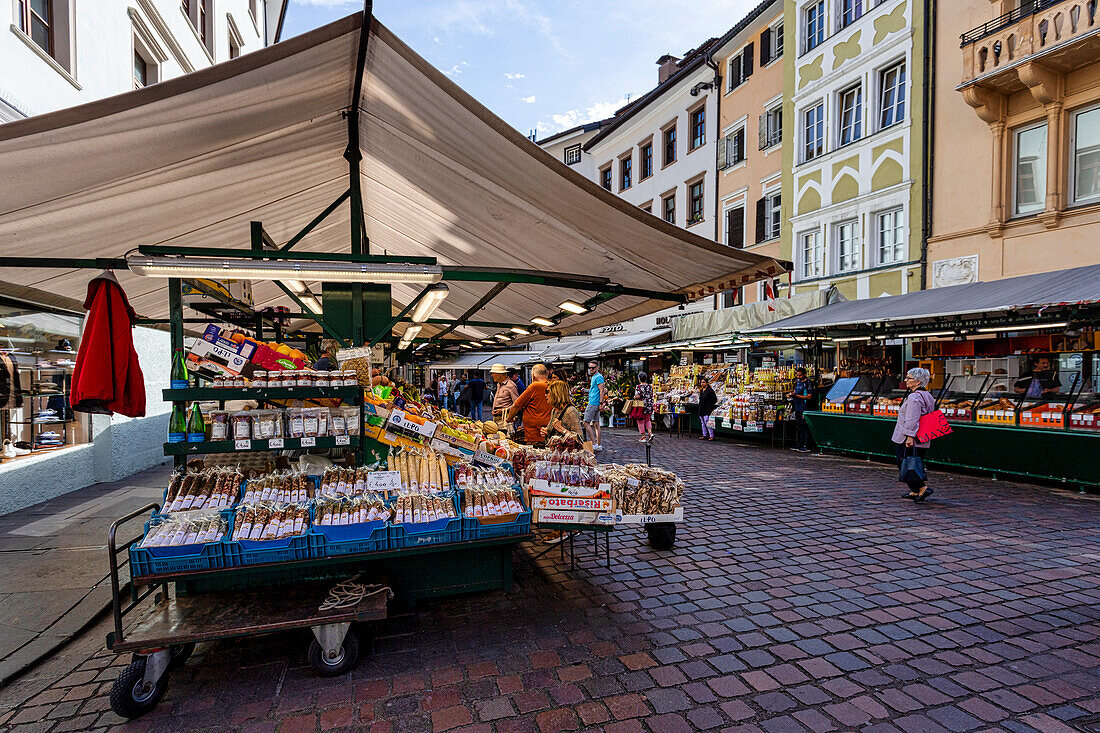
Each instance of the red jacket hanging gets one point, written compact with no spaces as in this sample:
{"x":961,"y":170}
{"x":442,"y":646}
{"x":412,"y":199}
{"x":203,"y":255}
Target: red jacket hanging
{"x":107,"y":377}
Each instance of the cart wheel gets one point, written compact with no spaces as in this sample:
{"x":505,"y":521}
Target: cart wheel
{"x":129,"y":696}
{"x":344,"y":661}
{"x":180,"y":654}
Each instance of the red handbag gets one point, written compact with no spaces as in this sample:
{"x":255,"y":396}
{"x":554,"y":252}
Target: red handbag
{"x":932,"y":425}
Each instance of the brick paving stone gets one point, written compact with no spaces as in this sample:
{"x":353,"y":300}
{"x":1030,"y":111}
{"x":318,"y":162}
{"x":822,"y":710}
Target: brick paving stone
{"x":979,"y":610}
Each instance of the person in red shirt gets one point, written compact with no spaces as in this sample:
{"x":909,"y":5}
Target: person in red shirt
{"x":534,"y":406}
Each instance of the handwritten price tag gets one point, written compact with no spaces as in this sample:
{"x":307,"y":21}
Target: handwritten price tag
{"x":275,"y":443}
{"x":341,"y":440}
{"x":309,"y":442}
{"x":384,"y":481}
{"x":242,"y":445}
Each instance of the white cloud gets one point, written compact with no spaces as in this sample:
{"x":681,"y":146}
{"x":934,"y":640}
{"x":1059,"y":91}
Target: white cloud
{"x":453,"y":71}
{"x":330,"y":3}
{"x":575,"y":117}
{"x":528,"y":100}
{"x":513,"y":76}
{"x":489,"y":17}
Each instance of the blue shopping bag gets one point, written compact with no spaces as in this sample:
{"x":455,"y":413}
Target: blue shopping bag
{"x":912,"y":469}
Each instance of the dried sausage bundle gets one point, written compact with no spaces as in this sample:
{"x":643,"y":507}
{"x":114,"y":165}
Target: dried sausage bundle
{"x":283,"y":488}
{"x":639,"y":489}
{"x":344,"y":510}
{"x":270,"y":522}
{"x":189,"y":529}
{"x":212,"y":488}
{"x":416,"y":508}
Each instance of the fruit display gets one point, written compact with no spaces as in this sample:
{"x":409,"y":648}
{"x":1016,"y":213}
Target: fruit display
{"x":215,"y":488}
{"x":415,"y":509}
{"x":185,"y":529}
{"x":640,"y":489}
{"x":342,"y":510}
{"x":270,"y":521}
{"x":283,"y":488}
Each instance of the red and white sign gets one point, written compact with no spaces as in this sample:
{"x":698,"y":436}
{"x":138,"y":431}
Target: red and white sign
{"x":570,"y":502}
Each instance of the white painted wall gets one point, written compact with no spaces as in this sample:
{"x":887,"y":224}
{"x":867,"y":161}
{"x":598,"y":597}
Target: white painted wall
{"x":102,"y":45}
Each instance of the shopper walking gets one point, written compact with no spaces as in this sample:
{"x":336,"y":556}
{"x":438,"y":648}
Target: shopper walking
{"x":800,"y":398}
{"x":597,"y":396}
{"x":477,"y":395}
{"x":644,"y":415}
{"x":462,"y":396}
{"x":918,"y":403}
{"x":708,"y":400}
{"x":441,"y":390}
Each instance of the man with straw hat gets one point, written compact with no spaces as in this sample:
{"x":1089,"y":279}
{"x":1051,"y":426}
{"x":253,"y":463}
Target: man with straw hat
{"x":506,"y":392}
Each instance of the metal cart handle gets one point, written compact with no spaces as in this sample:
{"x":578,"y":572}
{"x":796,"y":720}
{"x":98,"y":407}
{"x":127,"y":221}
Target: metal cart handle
{"x":112,"y":559}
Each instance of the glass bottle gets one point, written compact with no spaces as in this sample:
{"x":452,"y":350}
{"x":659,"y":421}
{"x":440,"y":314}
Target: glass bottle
{"x":179,"y":371}
{"x":177,"y":424}
{"x":196,"y":426}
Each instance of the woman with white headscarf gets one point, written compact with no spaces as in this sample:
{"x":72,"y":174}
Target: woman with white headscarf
{"x":918,"y":402}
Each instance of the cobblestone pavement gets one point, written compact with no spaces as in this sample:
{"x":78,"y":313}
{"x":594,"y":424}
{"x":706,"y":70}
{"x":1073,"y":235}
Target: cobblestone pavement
{"x":803,"y":594}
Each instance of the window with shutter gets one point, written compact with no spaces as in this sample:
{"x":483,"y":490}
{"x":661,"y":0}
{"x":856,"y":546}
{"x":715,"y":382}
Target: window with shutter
{"x":735,"y":227}
{"x":765,"y":47}
{"x":761,"y":220}
{"x":723,"y":158}
{"x":763,"y":131}
{"x":746,"y":59}
{"x":735,"y":73}
{"x":739,"y":146}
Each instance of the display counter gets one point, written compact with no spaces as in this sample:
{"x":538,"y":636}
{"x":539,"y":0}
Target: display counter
{"x":1005,"y":450}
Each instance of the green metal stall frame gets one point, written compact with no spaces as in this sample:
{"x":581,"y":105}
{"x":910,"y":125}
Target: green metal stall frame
{"x":1067,"y":457}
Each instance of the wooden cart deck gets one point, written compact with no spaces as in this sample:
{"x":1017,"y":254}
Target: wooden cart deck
{"x":213,"y":616}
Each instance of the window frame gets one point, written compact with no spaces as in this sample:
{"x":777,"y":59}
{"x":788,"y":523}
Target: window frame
{"x":729,"y":139}
{"x":819,"y":138}
{"x":855,"y":256}
{"x":144,"y":81}
{"x":607,"y":177}
{"x":773,"y":214}
{"x":899,"y":229}
{"x":646,"y":160}
{"x":817,"y":266}
{"x":691,"y":186}
{"x":668,"y":207}
{"x":821,"y":25}
{"x":25,"y":12}
{"x":571,"y":149}
{"x":726,"y":212}
{"x":667,"y":132}
{"x":900,"y":89}
{"x":772,"y":136}
{"x":859,"y":6}
{"x":626,"y":171}
{"x":1075,"y":198}
{"x":697,"y":127}
{"x":857,"y":124}
{"x":1040,"y":181}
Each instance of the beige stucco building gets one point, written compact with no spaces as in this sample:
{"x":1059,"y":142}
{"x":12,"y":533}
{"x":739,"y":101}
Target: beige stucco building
{"x":750,"y":142}
{"x":1016,"y":172}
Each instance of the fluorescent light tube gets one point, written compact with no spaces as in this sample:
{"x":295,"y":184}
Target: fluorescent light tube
{"x":295,"y":285}
{"x":502,"y":337}
{"x":571,"y":307}
{"x":403,"y":344}
{"x":540,"y":321}
{"x":312,"y":303}
{"x":852,"y":338}
{"x":427,"y":305}
{"x":1023,"y":328}
{"x":234,"y":269}
{"x":520,"y":331}
{"x":921,"y":335}
{"x":411,"y":332}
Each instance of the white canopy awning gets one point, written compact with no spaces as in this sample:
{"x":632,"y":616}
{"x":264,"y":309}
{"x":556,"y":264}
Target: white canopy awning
{"x":192,"y":160}
{"x":484,"y":360}
{"x":591,"y":348}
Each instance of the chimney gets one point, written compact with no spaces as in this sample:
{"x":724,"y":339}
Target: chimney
{"x":667,"y":66}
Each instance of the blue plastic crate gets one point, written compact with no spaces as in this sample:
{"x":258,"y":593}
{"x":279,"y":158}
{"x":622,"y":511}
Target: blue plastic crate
{"x":427,"y":533}
{"x":472,"y":529}
{"x":255,"y":552}
{"x":349,"y":539}
{"x":175,"y":558}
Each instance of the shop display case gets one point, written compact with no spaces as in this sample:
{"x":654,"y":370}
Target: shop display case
{"x":970,"y":375}
{"x":1048,"y":411}
{"x":837,"y":396}
{"x":889,"y":398}
{"x":997,"y":406}
{"x":861,"y":399}
{"x":1083,"y":412}
{"x":957,"y":403}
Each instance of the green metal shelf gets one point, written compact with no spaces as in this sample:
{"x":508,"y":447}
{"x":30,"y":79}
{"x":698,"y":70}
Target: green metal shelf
{"x":230,"y":446}
{"x":197,"y":394}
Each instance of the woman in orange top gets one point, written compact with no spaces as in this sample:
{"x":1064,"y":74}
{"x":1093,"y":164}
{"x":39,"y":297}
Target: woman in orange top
{"x":534,"y":406}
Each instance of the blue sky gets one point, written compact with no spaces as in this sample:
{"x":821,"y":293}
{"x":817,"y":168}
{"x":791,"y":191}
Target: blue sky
{"x":545,"y":65}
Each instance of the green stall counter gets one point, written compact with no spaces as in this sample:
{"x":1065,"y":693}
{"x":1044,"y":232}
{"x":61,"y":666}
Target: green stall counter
{"x":1067,"y":456}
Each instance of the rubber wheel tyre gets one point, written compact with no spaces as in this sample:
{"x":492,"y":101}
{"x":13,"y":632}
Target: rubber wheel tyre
{"x":127,"y":697}
{"x":345,"y":659}
{"x":180,"y":654}
{"x":662,"y":535}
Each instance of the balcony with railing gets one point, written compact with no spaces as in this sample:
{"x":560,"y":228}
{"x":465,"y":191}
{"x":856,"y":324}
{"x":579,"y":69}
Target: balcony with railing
{"x":1063,"y":32}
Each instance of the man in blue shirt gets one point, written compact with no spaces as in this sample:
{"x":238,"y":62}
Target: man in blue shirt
{"x":597,"y":395}
{"x":800,"y":400}
{"x":477,"y":395}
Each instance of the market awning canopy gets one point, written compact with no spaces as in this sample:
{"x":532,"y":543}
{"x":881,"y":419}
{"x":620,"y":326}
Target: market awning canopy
{"x":591,"y":348}
{"x":1028,"y":294}
{"x":193,"y":160}
{"x":484,"y":360}
{"x":740,"y":318}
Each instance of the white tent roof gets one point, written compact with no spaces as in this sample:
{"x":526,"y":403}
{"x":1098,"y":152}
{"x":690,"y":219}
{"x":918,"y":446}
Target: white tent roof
{"x":589,"y":348}
{"x":192,"y":160}
{"x":485,"y":359}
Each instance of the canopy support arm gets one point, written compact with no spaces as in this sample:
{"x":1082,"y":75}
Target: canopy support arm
{"x":316,"y":220}
{"x":320,"y":321}
{"x":555,"y":280}
{"x":400,"y":316}
{"x":494,"y":292}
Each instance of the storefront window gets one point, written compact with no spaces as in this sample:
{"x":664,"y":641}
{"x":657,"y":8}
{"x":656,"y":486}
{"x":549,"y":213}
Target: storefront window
{"x":1031,"y":169}
{"x":1086,"y":155}
{"x":37,"y":356}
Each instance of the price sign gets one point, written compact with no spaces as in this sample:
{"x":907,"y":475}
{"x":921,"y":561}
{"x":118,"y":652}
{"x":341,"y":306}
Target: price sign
{"x":384,"y":481}
{"x":309,"y":442}
{"x":341,"y":440}
{"x":275,"y":443}
{"x":242,"y":445}
{"x":488,"y":459}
